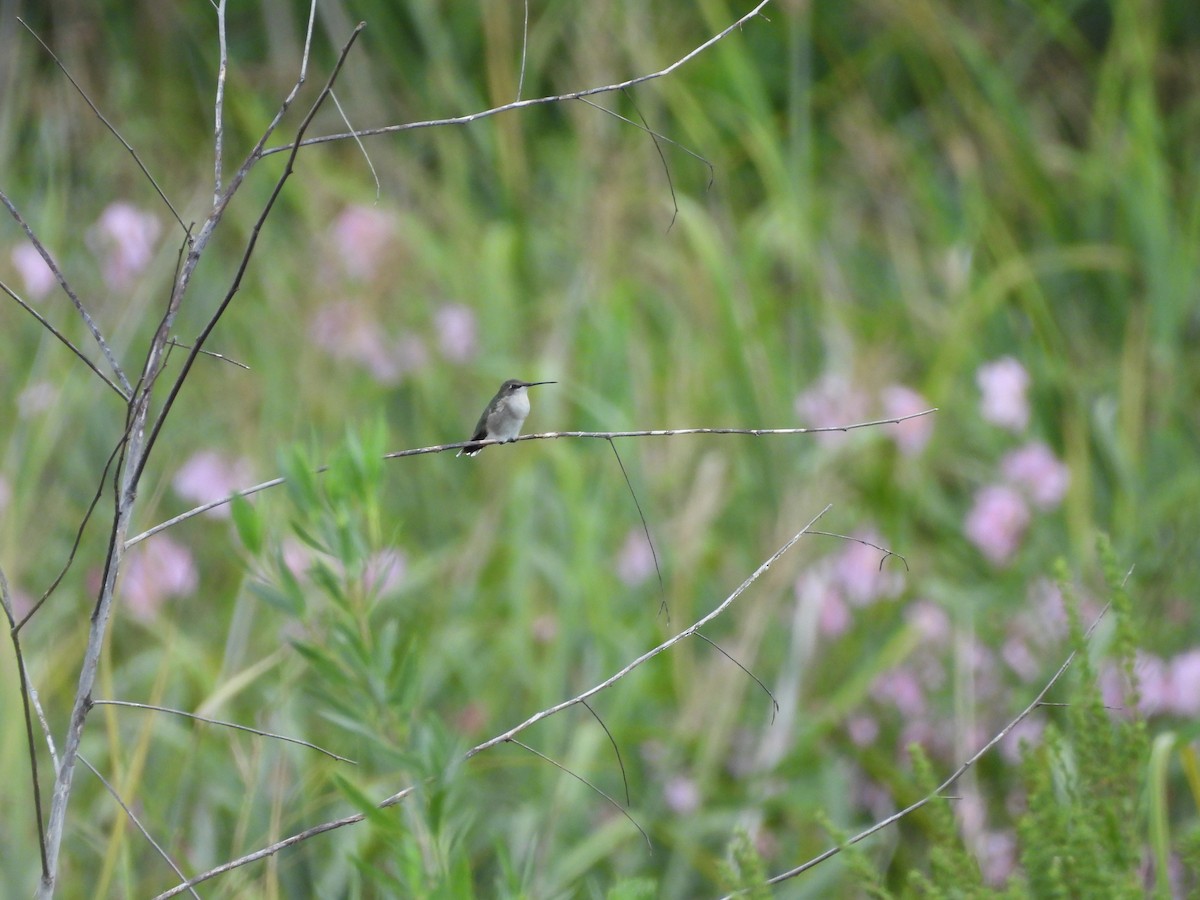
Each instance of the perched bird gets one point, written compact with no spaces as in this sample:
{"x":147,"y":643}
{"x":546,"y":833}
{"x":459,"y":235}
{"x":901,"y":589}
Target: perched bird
{"x":504,"y":416}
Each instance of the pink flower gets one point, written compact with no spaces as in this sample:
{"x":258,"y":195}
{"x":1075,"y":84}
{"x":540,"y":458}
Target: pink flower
{"x":1003,"y":384}
{"x":208,"y":475}
{"x":456,"y":330}
{"x":155,"y":570}
{"x":912,"y":435}
{"x":1049,"y":610}
{"x":930,"y":620}
{"x":997,"y":853}
{"x":1154,"y":684}
{"x":1035,"y":468}
{"x":1113,"y":687}
{"x":831,"y":402}
{"x":124,"y":236}
{"x":862,"y":730}
{"x":835,"y":614}
{"x":1029,"y":731}
{"x":361,"y":235}
{"x":815,"y":588}
{"x":1020,"y":658}
{"x":682,"y":795}
{"x":38,"y":277}
{"x":864,"y":574}
{"x":297,"y":556}
{"x":384,"y":571}
{"x":997,"y":522}
{"x":1184,"y":678}
{"x":901,"y":688}
{"x":344,"y":332}
{"x":635,"y":560}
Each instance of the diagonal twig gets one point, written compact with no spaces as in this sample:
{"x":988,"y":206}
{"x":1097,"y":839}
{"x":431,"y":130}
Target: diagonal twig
{"x":137,"y":823}
{"x":662,"y":606}
{"x":580,"y":778}
{"x":507,"y":736}
{"x":79,"y":307}
{"x":26,"y":693}
{"x":78,"y":535}
{"x":107,"y":124}
{"x":612,"y":740}
{"x":219,"y":105}
{"x":129,"y":704}
{"x":757,"y":680}
{"x":178,"y":383}
{"x":63,"y":338}
{"x":937,"y":792}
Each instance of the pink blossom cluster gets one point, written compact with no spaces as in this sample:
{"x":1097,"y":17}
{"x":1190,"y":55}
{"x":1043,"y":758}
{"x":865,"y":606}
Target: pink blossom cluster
{"x":1165,"y":686}
{"x":364,"y":239}
{"x":208,"y":475}
{"x":834,"y":401}
{"x":858,"y":576}
{"x":123,"y":238}
{"x":155,"y":571}
{"x":1000,"y":514}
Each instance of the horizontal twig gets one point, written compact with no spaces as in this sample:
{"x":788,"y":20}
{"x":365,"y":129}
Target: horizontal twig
{"x":542,"y":436}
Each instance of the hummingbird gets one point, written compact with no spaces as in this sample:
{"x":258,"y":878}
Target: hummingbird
{"x":503,"y":417}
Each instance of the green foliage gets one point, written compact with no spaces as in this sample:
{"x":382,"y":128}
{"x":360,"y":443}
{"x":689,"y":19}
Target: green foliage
{"x":1083,"y":830}
{"x":900,"y":194}
{"x":744,"y":871}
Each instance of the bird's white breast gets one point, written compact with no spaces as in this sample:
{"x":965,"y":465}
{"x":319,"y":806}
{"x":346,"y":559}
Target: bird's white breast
{"x":505,"y":423}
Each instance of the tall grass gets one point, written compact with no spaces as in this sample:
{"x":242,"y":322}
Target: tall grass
{"x":902,"y":192}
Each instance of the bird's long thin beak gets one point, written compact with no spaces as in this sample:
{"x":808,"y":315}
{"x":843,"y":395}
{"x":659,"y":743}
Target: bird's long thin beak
{"x":536,"y":383}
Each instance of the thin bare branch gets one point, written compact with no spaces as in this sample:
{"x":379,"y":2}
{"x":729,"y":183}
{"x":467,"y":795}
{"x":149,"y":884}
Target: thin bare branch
{"x":219,"y":113}
{"x":617,"y":750}
{"x":757,"y":680}
{"x":539,"y":101}
{"x":657,"y":135}
{"x":107,"y":124}
{"x":361,"y":148}
{"x":662,"y":158}
{"x":14,"y":634}
{"x":958,"y":773}
{"x":512,"y":732}
{"x":884,"y":550}
{"x":179,"y":712}
{"x":670,"y":432}
{"x":662,"y":606}
{"x":650,"y":654}
{"x":524,"y":50}
{"x":191,"y":513}
{"x":272,"y":849}
{"x":583,"y":780}
{"x":78,"y":535}
{"x":247,"y":253}
{"x":79,"y":307}
{"x":137,"y":824}
{"x":174,"y":342}
{"x":63,"y":338}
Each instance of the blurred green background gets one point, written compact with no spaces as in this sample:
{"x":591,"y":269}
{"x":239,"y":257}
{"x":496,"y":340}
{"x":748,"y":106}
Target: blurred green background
{"x":988,"y":208}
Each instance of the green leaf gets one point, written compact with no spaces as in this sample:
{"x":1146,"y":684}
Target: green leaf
{"x":248,"y":523}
